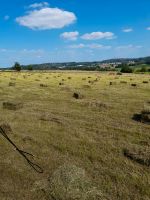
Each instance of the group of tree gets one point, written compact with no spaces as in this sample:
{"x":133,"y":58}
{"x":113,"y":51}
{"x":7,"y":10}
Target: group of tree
{"x":126,"y":68}
{"x":17,"y":67}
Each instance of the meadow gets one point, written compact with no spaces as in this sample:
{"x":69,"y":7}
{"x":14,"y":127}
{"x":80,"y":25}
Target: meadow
{"x":83,"y":119}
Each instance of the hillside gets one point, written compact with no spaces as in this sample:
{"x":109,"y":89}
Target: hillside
{"x":83,"y":65}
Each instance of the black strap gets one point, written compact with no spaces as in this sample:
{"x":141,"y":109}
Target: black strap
{"x":36,"y":167}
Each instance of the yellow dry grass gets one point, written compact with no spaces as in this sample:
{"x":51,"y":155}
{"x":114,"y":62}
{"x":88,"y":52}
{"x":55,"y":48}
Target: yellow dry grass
{"x":58,"y":128}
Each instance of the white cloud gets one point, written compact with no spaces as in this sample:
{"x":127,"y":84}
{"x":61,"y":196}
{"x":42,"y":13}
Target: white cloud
{"x":77,"y":46}
{"x":148,"y":28}
{"x":39,"y":5}
{"x":128,"y":47}
{"x":90,"y":46}
{"x":98,"y":35}
{"x":47,"y":18}
{"x":3,"y":50}
{"x":6,"y":17}
{"x":70,"y":35}
{"x":127,"y":30}
{"x":98,"y":46}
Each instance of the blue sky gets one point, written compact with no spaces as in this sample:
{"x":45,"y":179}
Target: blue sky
{"x":33,"y":31}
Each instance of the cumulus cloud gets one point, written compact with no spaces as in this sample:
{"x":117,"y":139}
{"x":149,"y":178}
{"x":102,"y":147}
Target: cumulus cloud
{"x":90,"y":46}
{"x":127,"y":30}
{"x":98,"y":35}
{"x":70,"y":35}
{"x":39,"y":5}
{"x":148,"y":28}
{"x":46,"y":19}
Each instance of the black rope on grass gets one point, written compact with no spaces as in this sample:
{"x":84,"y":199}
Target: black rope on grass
{"x":24,"y":154}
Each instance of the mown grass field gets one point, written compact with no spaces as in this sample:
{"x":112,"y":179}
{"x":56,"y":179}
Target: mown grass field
{"x":90,"y":132}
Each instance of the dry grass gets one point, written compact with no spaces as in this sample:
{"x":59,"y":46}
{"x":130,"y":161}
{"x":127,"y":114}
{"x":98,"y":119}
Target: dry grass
{"x":59,"y":129}
{"x":139,"y":155}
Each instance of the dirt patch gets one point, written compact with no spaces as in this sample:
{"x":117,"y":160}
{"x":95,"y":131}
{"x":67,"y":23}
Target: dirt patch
{"x":139,"y":155}
{"x":12,"y":106}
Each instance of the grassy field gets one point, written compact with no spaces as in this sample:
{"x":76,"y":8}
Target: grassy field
{"x":90,"y":132}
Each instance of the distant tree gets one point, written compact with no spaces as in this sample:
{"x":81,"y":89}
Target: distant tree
{"x":143,"y":69}
{"x":126,"y":69}
{"x":30,"y":67}
{"x":17,"y":67}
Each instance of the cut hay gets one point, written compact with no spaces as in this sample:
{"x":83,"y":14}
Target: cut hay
{"x":141,"y":156}
{"x":144,"y":116}
{"x":119,"y":73}
{"x":61,"y":83}
{"x":145,"y":82}
{"x":50,"y":118}
{"x":134,"y":85}
{"x":12,"y":106}
{"x":97,"y":104}
{"x":7,"y":128}
{"x":43,"y":85}
{"x":77,"y":95}
{"x":71,"y":183}
{"x":13,"y":79}
{"x":112,"y":83}
{"x":86,"y":86}
{"x":66,"y":88}
{"x":123,"y":82}
{"x":12,"y":84}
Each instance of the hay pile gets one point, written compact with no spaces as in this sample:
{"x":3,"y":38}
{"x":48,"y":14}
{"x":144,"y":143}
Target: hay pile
{"x":133,"y":84}
{"x":70,"y":183}
{"x":43,"y":85}
{"x":61,"y":83}
{"x":12,"y":106}
{"x":86,"y":86}
{"x":77,"y":95}
{"x":12,"y":84}
{"x":145,"y":114}
{"x":139,"y":155}
{"x":145,"y":82}
{"x":123,"y":82}
{"x":7,"y":128}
